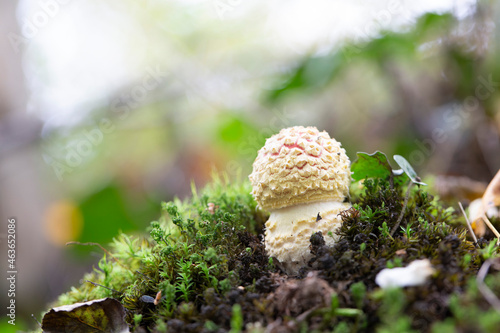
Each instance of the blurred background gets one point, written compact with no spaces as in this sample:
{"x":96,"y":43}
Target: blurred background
{"x":109,"y":108}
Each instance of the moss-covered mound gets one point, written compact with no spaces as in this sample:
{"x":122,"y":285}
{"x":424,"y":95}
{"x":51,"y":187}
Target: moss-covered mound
{"x":206,"y":257}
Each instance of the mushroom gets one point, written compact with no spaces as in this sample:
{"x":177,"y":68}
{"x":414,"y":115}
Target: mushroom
{"x":301,"y":176}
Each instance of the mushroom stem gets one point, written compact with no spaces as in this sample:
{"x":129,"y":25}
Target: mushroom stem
{"x":289,"y":229}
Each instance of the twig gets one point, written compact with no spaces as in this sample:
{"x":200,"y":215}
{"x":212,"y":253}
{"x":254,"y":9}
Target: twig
{"x":305,"y":314}
{"x":407,"y":197}
{"x":468,"y":223}
{"x":144,"y":275}
{"x":483,"y":288}
{"x":102,"y":248}
{"x":100,"y":285}
{"x":492,"y":228}
{"x":34,"y":318}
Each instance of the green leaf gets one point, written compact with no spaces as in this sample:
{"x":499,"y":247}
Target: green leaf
{"x":373,"y":165}
{"x":408,"y":169}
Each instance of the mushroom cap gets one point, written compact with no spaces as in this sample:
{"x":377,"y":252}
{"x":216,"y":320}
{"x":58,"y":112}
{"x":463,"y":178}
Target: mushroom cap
{"x":300,"y":165}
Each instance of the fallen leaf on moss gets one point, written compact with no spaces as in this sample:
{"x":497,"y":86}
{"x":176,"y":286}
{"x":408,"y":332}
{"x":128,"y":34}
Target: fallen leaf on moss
{"x":102,"y":315}
{"x":489,"y":202}
{"x":491,"y":197}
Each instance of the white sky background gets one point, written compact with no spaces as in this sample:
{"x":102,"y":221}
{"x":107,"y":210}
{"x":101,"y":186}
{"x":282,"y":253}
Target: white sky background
{"x":86,"y":50}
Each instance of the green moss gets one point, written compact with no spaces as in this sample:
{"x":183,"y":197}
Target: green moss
{"x":206,"y":257}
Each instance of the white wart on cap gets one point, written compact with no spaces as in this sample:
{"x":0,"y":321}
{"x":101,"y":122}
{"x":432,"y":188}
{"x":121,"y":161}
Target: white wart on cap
{"x":302,"y":177}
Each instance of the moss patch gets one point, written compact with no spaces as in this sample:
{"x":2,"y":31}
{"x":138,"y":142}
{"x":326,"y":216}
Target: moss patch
{"x":206,"y":257}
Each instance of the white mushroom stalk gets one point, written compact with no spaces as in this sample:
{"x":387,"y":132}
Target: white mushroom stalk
{"x":289,"y":229}
{"x":302,"y":177}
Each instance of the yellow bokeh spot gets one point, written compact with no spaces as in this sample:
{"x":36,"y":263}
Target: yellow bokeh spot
{"x":63,"y":222}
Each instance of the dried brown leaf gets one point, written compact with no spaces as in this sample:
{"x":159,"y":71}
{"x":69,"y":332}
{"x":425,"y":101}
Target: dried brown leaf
{"x":102,"y":315}
{"x":491,"y":197}
{"x":490,"y":200}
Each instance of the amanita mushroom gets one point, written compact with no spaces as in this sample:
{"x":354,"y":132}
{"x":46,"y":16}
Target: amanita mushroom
{"x":301,"y":176}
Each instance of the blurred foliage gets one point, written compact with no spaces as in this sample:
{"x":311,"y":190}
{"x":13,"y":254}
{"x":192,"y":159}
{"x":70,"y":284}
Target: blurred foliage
{"x":404,"y":92}
{"x":429,"y":92}
{"x":8,"y":328}
{"x":392,"y":48}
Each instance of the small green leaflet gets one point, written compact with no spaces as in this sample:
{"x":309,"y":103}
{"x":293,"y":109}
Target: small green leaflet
{"x":408,"y":169}
{"x":377,"y":165}
{"x":373,"y":165}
